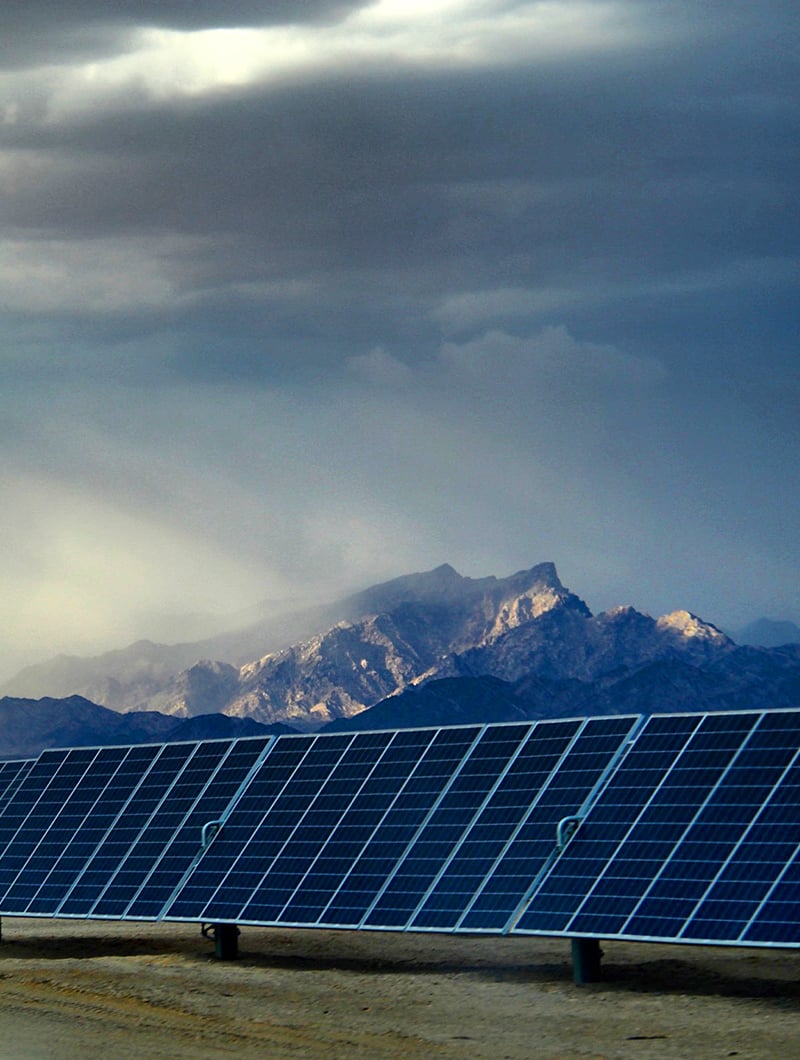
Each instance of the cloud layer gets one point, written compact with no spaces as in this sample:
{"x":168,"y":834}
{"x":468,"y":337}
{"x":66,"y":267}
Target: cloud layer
{"x":299,"y":300}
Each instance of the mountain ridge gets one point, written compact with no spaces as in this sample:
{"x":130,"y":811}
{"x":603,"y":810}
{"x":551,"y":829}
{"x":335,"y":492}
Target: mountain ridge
{"x":526,"y":630}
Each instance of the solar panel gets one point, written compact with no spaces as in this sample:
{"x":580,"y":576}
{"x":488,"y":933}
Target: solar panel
{"x":89,"y":828}
{"x":364,"y":829}
{"x":695,"y":838}
{"x":526,"y":843}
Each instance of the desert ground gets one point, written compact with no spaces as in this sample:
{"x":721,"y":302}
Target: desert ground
{"x":92,"y":989}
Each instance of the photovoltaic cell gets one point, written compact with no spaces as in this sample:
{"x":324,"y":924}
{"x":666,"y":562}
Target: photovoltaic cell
{"x":694,"y":838}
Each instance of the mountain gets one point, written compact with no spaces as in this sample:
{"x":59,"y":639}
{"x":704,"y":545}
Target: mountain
{"x":524,"y":644}
{"x":768,"y":633}
{"x":412,"y":628}
{"x":312,"y":665}
{"x":28,"y":727}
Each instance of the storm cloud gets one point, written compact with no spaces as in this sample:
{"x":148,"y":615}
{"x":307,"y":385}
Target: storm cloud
{"x":301,"y":296}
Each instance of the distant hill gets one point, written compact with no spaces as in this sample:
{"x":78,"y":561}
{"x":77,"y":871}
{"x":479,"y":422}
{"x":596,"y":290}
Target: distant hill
{"x":768,"y":633}
{"x":28,"y":727}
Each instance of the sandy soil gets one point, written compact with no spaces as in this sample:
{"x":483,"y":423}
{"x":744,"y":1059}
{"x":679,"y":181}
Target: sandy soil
{"x":77,"y":989}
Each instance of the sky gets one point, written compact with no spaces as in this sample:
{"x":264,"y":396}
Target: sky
{"x":301,"y":296}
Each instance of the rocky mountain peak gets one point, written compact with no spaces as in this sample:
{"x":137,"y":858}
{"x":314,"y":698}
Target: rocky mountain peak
{"x":685,"y":624}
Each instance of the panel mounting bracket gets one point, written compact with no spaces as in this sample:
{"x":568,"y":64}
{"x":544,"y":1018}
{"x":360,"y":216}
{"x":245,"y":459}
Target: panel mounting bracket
{"x":566,"y":829}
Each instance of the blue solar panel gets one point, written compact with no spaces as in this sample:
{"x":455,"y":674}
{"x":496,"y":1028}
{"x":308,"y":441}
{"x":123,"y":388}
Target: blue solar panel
{"x":694,"y":838}
{"x":361,"y":830}
{"x":89,"y":829}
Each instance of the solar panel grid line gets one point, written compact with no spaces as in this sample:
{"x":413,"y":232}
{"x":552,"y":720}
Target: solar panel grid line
{"x":520,"y":824}
{"x":568,"y":781}
{"x":437,"y":801}
{"x":8,"y":771}
{"x":723,"y":863}
{"x":147,"y":906}
{"x":70,"y":834}
{"x":739,"y":844}
{"x":188,"y":830}
{"x":459,"y":844}
{"x":269,"y":743}
{"x":549,"y":911}
{"x":203,"y":878}
{"x":12,"y":776}
{"x":714,"y":840}
{"x":78,"y":849}
{"x":440,"y":767}
{"x":637,"y":723}
{"x":228,"y":849}
{"x":26,"y":857}
{"x":715,"y":787}
{"x":461,"y":880}
{"x":129,"y":772}
{"x":32,"y":789}
{"x":467,"y":735}
{"x":578,"y":815}
{"x":179,"y":806}
{"x":754,"y":897}
{"x":777,"y":922}
{"x":280,"y":875}
{"x":94,"y":878}
{"x":410,"y":767}
{"x":332,"y":837}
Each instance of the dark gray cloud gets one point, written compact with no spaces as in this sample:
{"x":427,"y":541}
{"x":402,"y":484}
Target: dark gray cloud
{"x":357,"y":290}
{"x":42,"y":32}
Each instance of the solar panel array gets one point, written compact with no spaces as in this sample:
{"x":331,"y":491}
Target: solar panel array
{"x":689,"y":830}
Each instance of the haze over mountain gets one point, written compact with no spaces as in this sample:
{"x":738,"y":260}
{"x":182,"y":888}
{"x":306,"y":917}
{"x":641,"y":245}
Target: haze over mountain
{"x":436,"y":647}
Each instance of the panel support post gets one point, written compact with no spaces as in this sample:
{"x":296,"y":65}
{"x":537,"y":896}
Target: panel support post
{"x":1,"y":929}
{"x":226,"y":941}
{"x":586,"y":957}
